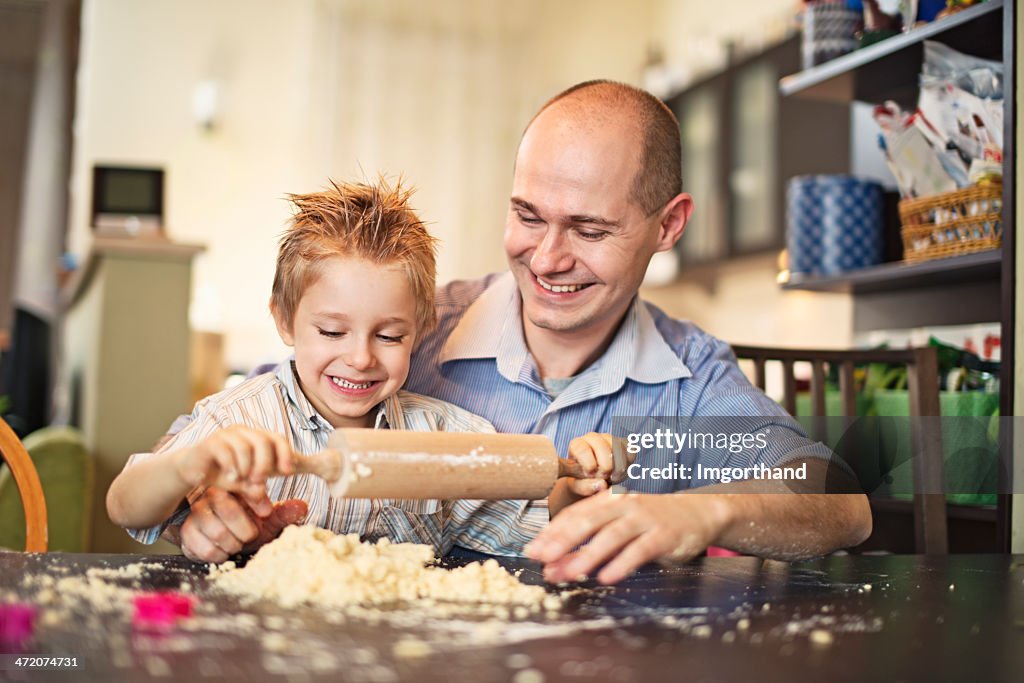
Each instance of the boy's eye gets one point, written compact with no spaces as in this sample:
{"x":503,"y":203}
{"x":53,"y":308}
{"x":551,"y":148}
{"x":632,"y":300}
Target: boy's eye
{"x":329,"y":333}
{"x":391,"y":339}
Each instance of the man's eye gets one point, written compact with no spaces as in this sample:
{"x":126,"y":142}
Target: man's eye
{"x":592,"y":235}
{"x":391,"y":340}
{"x":529,"y":220}
{"x":328,"y":333}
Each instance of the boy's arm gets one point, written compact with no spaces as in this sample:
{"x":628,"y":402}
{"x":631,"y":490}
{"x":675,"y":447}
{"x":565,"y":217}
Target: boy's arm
{"x":153,"y":486}
{"x":148,"y":492}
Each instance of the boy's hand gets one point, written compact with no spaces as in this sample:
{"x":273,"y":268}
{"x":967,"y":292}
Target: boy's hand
{"x":237,"y":458}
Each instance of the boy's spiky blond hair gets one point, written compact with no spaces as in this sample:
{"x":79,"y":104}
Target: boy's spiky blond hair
{"x":370,"y":221}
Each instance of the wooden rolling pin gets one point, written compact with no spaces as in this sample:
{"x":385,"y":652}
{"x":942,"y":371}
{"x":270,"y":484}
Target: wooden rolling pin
{"x":386,"y":463}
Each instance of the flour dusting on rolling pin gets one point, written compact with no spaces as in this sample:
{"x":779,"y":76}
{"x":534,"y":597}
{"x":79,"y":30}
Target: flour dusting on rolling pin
{"x":385,"y":463}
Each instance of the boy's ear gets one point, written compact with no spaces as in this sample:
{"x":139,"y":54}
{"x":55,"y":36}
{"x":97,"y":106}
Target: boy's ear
{"x":284,"y":331}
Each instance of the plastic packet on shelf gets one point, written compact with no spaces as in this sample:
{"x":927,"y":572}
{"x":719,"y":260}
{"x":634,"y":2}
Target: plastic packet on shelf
{"x":980,"y":77}
{"x":973,"y":125}
{"x":913,"y":154}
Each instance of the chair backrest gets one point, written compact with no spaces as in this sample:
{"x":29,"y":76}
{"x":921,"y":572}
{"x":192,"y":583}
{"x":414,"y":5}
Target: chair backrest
{"x":32,"y":500}
{"x":930,"y":532}
{"x":67,"y":472}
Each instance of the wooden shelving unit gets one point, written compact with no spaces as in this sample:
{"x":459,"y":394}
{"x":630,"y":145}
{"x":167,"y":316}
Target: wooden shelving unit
{"x":889,"y":70}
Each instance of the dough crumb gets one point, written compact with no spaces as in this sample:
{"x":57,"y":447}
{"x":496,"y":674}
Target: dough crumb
{"x":409,"y":648}
{"x":274,"y":642}
{"x":528,"y":676}
{"x":518,"y":661}
{"x":821,"y":637}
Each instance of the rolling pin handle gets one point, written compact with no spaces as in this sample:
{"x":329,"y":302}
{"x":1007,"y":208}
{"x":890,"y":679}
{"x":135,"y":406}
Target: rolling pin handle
{"x":568,"y":467}
{"x":325,"y":464}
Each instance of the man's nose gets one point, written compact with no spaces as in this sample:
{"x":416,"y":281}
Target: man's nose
{"x":552,"y":254}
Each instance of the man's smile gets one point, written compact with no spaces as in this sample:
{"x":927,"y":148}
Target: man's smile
{"x":560,"y":288}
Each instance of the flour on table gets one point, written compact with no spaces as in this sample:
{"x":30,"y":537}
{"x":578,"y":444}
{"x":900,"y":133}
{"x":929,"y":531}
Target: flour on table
{"x":308,"y":565}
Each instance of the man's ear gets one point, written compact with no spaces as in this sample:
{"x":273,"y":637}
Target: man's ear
{"x":284,"y":331}
{"x":674,"y":217}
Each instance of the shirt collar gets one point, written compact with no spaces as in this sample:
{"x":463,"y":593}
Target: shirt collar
{"x":388,"y":412}
{"x":492,"y":328}
{"x":638,"y":352}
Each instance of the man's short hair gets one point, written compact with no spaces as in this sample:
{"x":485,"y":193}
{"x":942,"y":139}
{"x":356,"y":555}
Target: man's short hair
{"x":370,"y":221}
{"x":660,"y":177}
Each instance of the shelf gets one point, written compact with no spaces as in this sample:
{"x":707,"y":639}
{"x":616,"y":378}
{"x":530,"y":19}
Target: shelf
{"x":889,"y":70}
{"x":978,"y":267}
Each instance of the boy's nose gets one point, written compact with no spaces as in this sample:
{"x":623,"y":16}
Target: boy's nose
{"x":359,"y":357}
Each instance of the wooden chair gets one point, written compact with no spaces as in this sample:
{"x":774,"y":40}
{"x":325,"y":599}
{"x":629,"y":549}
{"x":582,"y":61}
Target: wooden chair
{"x":32,"y":501}
{"x":929,"y":509}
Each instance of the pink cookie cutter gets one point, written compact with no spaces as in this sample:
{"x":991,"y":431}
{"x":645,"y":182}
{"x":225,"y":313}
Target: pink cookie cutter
{"x":160,"y":611}
{"x":16,"y":622}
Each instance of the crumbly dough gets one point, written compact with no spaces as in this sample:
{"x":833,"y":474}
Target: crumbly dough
{"x":309,"y":565}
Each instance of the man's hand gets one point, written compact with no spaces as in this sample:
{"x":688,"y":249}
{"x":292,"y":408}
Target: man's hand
{"x":783,"y":520}
{"x":626,"y":530}
{"x":594,"y":453}
{"x":222,"y":524}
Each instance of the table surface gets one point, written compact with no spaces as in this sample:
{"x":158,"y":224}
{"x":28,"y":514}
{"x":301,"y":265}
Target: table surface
{"x":952,"y":618}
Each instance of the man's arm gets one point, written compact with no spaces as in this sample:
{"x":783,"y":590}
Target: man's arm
{"x":776,"y":519}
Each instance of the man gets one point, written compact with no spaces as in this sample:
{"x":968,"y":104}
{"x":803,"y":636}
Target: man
{"x":562,"y":344}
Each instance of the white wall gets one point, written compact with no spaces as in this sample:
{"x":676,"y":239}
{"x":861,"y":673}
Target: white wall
{"x":314,"y":89}
{"x":140,"y":62}
{"x":740,"y":303}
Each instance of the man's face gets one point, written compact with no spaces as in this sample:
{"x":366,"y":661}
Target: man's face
{"x":577,"y":243}
{"x":353,"y":333}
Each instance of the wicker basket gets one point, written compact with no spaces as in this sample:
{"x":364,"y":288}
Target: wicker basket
{"x":952,"y":223}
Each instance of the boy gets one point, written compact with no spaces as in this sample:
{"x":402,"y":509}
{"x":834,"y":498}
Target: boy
{"x":352,"y":294}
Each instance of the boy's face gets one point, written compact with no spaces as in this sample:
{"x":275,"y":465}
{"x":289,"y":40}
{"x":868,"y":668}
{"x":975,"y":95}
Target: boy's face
{"x":353,"y":333}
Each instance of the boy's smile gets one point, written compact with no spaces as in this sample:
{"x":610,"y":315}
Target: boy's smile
{"x":353,"y":334}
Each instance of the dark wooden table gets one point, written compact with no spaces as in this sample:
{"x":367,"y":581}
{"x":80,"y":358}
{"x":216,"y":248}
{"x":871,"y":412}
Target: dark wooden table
{"x":955,"y":618}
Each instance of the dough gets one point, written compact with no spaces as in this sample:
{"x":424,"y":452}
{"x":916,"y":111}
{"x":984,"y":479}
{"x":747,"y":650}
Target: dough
{"x":309,"y":565}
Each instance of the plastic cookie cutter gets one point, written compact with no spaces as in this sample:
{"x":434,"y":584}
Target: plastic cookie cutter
{"x":160,"y":611}
{"x":16,"y":622}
